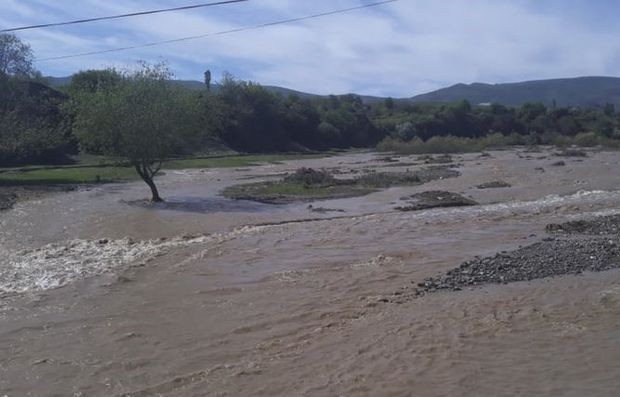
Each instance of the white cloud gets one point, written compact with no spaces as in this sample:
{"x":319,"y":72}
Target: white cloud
{"x":400,"y":49}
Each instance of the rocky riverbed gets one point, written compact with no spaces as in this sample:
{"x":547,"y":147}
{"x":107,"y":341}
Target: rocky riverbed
{"x":608,"y":225}
{"x":575,"y":253}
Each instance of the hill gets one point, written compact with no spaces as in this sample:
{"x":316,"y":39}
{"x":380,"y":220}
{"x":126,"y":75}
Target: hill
{"x":579,"y":91}
{"x":57,"y":82}
{"x":588,"y":92}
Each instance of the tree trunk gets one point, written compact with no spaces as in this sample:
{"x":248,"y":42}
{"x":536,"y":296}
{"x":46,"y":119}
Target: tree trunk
{"x":148,"y":179}
{"x":154,"y":193}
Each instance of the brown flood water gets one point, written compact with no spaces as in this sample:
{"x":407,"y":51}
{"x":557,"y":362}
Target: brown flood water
{"x":203,"y":301}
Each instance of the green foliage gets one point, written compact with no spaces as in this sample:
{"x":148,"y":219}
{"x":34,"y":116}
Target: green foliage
{"x":451,"y":144}
{"x":139,"y":116}
{"x":102,"y":170}
{"x":207,"y":76}
{"x":33,"y":128}
{"x":91,"y":81}
{"x":67,"y":175}
{"x":250,"y":117}
{"x":145,"y":117}
{"x":16,"y":57}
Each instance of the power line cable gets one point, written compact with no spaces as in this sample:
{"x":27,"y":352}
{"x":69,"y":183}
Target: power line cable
{"x":220,"y":33}
{"x":133,"y":14}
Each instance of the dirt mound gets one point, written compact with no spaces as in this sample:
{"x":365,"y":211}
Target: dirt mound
{"x":494,"y":185}
{"x":310,"y":176}
{"x":435,"y":199}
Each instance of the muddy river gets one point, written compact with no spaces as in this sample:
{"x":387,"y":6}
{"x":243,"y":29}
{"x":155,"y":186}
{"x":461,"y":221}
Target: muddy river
{"x":103,"y":296}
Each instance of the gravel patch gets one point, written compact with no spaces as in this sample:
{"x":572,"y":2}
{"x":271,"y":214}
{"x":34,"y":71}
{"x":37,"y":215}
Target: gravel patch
{"x":602,"y":225}
{"x":587,"y":246}
{"x":7,"y":200}
{"x":572,"y":153}
{"x":549,"y":258}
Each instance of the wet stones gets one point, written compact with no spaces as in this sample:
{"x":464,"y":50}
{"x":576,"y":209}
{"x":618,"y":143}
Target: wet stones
{"x":588,"y":246}
{"x":540,"y":260}
{"x":441,"y":159}
{"x":434,"y":199}
{"x":323,"y":210}
{"x":572,"y":153}
{"x":7,"y":200}
{"x":598,"y":226}
{"x":494,"y":185}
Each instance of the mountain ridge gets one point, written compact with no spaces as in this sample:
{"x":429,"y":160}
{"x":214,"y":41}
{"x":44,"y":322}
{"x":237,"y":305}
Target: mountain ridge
{"x":585,"y":91}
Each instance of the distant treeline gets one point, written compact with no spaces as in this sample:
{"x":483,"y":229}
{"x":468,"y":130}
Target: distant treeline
{"x":459,"y":126}
{"x":37,"y":123}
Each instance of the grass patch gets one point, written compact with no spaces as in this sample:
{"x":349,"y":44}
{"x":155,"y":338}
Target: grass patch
{"x":81,"y":175}
{"x":308,"y":185}
{"x":289,"y":192}
{"x":106,"y":170}
{"x":237,"y":160}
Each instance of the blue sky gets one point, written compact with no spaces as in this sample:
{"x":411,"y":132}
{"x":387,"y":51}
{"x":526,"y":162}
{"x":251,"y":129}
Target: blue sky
{"x":400,"y":49}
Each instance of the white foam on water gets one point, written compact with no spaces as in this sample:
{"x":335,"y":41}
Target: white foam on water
{"x":55,"y":265}
{"x":549,"y":203}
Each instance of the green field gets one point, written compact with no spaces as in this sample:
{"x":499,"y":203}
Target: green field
{"x":100,"y":170}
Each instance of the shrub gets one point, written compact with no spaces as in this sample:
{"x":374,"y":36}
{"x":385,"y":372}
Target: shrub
{"x":386,"y":179}
{"x":310,"y":176}
{"x":587,"y":139}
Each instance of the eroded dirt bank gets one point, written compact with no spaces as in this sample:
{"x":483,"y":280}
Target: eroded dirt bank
{"x":296,"y":306}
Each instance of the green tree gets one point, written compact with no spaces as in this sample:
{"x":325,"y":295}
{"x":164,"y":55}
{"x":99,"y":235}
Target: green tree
{"x":389,"y":104}
{"x":143,"y":118}
{"x":208,"y":80}
{"x":251,"y":117}
{"x":609,"y":109}
{"x":16,"y":57}
{"x":93,"y":80}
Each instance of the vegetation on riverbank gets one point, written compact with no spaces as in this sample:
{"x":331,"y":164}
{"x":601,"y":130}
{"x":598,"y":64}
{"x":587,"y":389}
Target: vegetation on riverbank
{"x":145,"y":120}
{"x":307,"y":184}
{"x":110,"y":171}
{"x":452,"y":144}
